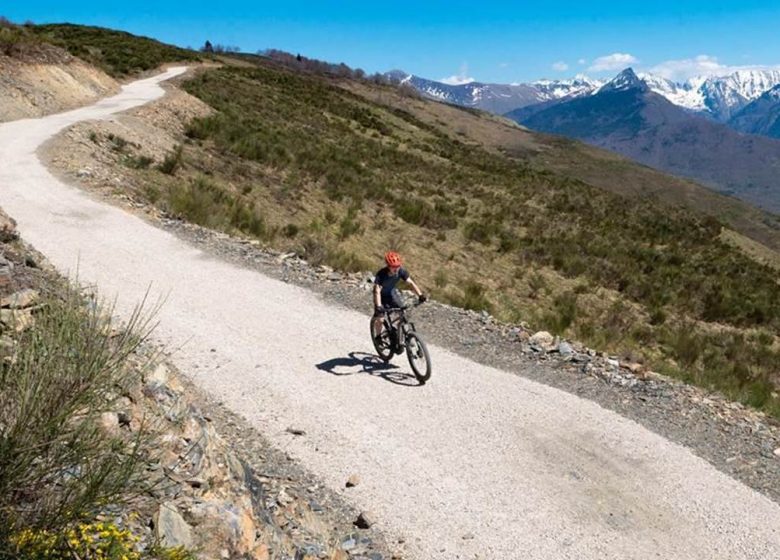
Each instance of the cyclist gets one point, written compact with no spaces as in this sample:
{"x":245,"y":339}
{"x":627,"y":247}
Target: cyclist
{"x":385,"y":292}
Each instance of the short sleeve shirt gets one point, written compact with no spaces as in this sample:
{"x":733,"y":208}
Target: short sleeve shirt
{"x":388,"y":281}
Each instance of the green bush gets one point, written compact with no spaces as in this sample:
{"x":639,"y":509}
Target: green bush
{"x":172,"y":161}
{"x":118,"y":53}
{"x":138,"y":162}
{"x":57,"y":465}
{"x":474,"y":297}
{"x":563,"y":313}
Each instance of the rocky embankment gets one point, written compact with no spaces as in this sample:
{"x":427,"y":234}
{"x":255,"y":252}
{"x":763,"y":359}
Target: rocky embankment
{"x":43,"y":80}
{"x":215,"y":486}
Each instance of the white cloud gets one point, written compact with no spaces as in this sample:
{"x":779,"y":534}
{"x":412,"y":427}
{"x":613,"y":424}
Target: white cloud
{"x":614,"y":61}
{"x":702,"y":65}
{"x":582,"y":62}
{"x":459,"y":78}
{"x":560,"y":66}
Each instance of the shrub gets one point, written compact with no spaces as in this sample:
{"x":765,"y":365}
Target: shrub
{"x":474,"y":297}
{"x":57,"y":466}
{"x":563,"y":313}
{"x":347,"y":261}
{"x":118,"y":144}
{"x":84,"y":541}
{"x":290,"y":230}
{"x":138,"y":162}
{"x":172,"y":161}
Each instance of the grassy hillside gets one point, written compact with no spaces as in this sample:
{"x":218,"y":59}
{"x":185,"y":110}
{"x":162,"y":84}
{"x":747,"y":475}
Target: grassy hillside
{"x":598,"y":167}
{"x":117,"y":53}
{"x":325,"y":168}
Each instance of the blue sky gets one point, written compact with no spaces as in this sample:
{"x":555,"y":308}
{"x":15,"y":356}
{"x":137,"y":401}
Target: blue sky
{"x":488,"y":41}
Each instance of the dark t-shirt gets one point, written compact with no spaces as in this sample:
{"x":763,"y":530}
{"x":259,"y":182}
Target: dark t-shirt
{"x":388,"y":281}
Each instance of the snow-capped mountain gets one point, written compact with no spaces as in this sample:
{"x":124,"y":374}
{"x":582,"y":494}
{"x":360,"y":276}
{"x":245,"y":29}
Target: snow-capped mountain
{"x":628,"y":116}
{"x":626,"y":80}
{"x":716,"y":97}
{"x":558,"y":89}
{"x":497,"y":98}
{"x":686,"y":95}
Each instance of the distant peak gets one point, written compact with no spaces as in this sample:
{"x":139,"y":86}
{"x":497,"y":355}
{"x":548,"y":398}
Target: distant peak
{"x":624,"y":81}
{"x":398,"y":75}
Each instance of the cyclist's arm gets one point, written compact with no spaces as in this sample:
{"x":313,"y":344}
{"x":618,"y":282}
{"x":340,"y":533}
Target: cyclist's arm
{"x":417,"y":291}
{"x":377,"y":295}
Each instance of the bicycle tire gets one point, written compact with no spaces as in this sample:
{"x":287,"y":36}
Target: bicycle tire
{"x":385,"y":352}
{"x":417,"y":351}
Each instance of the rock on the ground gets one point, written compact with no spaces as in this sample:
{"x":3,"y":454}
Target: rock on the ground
{"x":7,"y":228}
{"x":353,"y":481}
{"x":21,"y":299}
{"x":565,"y":349}
{"x":365,"y":520}
{"x":543,"y":340}
{"x":158,"y":376}
{"x":171,"y":528}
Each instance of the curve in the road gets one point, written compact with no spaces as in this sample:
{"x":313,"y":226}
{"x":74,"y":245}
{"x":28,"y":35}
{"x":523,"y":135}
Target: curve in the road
{"x":526,"y":470}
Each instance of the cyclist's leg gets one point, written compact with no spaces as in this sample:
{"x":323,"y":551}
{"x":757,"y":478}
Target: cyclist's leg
{"x":379,"y":315}
{"x":378,"y":320}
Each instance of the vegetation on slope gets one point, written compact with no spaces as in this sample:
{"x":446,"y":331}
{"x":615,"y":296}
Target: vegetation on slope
{"x":59,"y":467}
{"x":117,"y":53}
{"x":306,"y":164}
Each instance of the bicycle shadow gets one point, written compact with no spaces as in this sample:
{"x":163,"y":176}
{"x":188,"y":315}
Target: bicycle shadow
{"x":361,"y":362}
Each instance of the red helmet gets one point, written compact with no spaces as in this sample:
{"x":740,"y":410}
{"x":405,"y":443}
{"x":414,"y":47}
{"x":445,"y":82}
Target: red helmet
{"x":392,"y":258}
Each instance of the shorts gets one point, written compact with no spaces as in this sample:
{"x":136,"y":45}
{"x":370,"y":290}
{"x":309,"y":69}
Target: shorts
{"x":391,"y":300}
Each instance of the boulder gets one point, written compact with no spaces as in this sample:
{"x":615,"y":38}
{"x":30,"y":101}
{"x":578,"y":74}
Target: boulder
{"x":565,"y":349}
{"x":18,"y":319}
{"x":109,"y":422}
{"x":170,"y":527}
{"x":158,"y":376}
{"x":365,"y":520}
{"x":7,"y":228}
{"x":21,"y":299}
{"x":543,"y":340}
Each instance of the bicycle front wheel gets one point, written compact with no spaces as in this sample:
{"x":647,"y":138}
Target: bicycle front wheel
{"x":419,"y":358}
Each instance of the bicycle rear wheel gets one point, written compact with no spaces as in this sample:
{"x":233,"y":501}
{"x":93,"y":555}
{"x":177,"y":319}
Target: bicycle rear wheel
{"x":418,"y":356}
{"x":383,"y":346}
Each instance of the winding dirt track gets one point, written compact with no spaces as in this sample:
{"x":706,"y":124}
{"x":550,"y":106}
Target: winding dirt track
{"x":526,"y":470}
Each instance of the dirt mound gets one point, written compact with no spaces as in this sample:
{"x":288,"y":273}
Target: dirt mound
{"x":38,"y":80}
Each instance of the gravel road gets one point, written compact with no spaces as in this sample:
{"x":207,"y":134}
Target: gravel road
{"x":478,"y":463}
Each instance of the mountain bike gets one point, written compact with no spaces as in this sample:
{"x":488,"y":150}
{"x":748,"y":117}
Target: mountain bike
{"x":398,"y":333}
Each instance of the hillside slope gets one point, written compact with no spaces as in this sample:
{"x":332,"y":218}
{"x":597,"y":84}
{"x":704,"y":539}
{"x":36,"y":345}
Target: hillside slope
{"x":762,"y":116}
{"x":37,"y":78}
{"x":337,"y":171}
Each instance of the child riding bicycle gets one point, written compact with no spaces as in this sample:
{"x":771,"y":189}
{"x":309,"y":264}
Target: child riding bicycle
{"x":386,"y":294}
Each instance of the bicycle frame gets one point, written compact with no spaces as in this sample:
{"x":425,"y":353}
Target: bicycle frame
{"x":400,"y":325}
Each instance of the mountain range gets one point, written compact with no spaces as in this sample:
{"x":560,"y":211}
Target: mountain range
{"x":723,"y":132}
{"x":627,"y":116}
{"x":719,"y":98}
{"x":497,"y":98}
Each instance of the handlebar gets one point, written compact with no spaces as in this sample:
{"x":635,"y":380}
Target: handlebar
{"x":404,"y":308}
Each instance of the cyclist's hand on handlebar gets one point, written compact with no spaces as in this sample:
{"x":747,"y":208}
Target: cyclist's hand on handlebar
{"x":422,"y":298}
